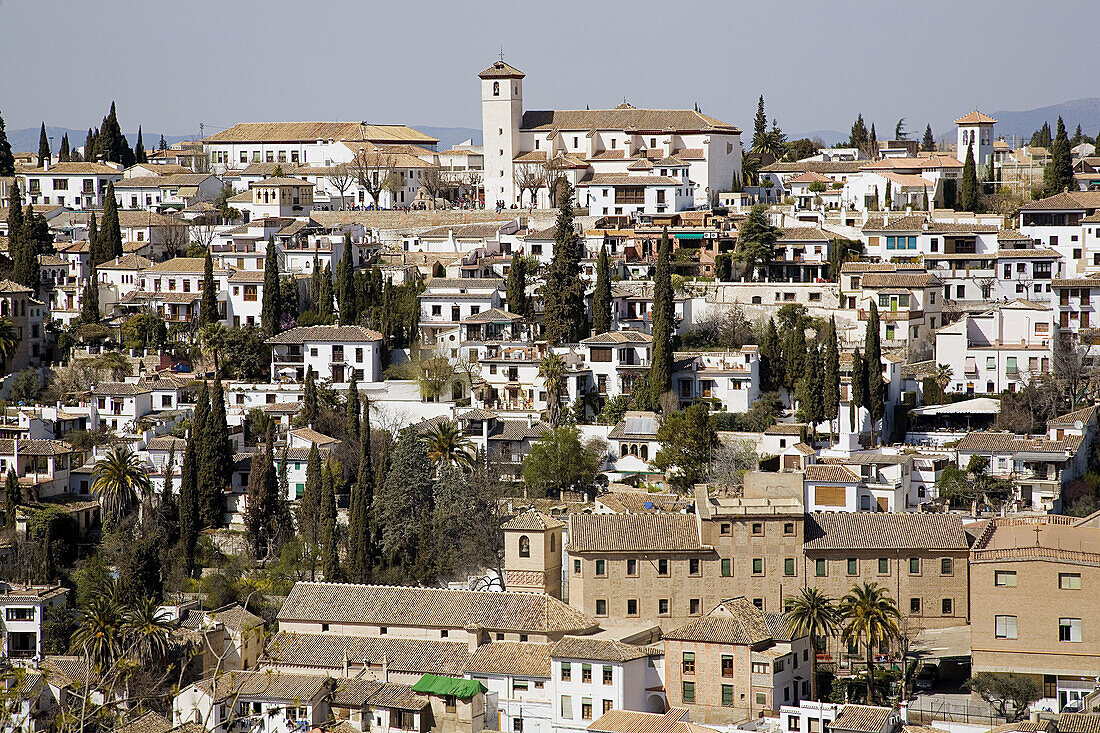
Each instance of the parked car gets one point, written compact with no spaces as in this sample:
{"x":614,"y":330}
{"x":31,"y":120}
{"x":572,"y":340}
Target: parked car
{"x":926,"y":676}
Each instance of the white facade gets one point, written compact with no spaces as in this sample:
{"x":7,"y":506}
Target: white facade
{"x":335,"y":353}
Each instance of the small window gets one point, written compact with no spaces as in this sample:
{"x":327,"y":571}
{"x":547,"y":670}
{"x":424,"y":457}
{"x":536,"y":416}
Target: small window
{"x":946,"y":606}
{"x":727,"y":665}
{"x":632,"y":607}
{"x":566,"y":671}
{"x":689,"y":692}
{"x":662,"y":606}
{"x":576,"y":567}
{"x":1004,"y":627}
{"x":788,"y":528}
{"x":725,"y":529}
{"x":788,"y":566}
{"x":662,"y":567}
{"x":853,"y":566}
{"x":947,"y":566}
{"x":586,"y":673}
{"x":727,"y":567}
{"x":601,"y":568}
{"x":727,"y":696}
{"x":524,"y":546}
{"x":1069,"y":629}
{"x":694,"y":606}
{"x":1069,"y":581}
{"x":1005,"y":578}
{"x":914,"y":566}
{"x":632,"y":568}
{"x":693,"y":566}
{"x":689,"y":662}
{"x":601,"y":606}
{"x":914,"y":605}
{"x":758,"y":566}
{"x":608,"y":674}
{"x":819,"y":567}
{"x":883,"y":565}
{"x":761,"y":698}
{"x":758,"y":529}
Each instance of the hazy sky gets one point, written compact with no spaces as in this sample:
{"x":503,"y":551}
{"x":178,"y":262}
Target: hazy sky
{"x":173,"y":65}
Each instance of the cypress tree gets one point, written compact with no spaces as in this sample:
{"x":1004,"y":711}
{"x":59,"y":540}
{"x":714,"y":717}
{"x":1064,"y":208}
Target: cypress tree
{"x":928,"y":144}
{"x":272,"y":314}
{"x":349,"y":298}
{"x":875,"y":395}
{"x":811,"y":405}
{"x":139,"y":149}
{"x":11,"y":498}
{"x":771,"y":358}
{"x":968,"y":186}
{"x":887,"y":198}
{"x":794,"y":356}
{"x":329,"y":553}
{"x":872,"y":143}
{"x":403,"y":502}
{"x":563,"y":292}
{"x":310,"y":407}
{"x":205,"y":474}
{"x":110,"y":232}
{"x":516,"y":285}
{"x":315,"y":286}
{"x":208,"y":306}
{"x":760,"y":124}
{"x":309,"y":503}
{"x":189,"y":500}
{"x":217,"y":452}
{"x":324,"y":306}
{"x":7,"y":159}
{"x":93,"y":239}
{"x":63,"y":153}
{"x":830,"y":388}
{"x":162,"y":145}
{"x":858,"y":136}
{"x":351,"y":423}
{"x":858,"y":392}
{"x":601,"y":298}
{"x":924,"y":201}
{"x":660,"y":370}
{"x":43,"y":147}
{"x":360,"y":544}
{"x":1058,"y":175}
{"x":15,"y":217}
{"x":89,"y":303}
{"x":90,"y":152}
{"x":261,"y":514}
{"x":24,"y":253}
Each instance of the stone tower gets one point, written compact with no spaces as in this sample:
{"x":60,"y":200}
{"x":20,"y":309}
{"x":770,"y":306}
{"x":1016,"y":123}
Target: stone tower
{"x":532,"y":553}
{"x":501,"y":114}
{"x":975,"y":129}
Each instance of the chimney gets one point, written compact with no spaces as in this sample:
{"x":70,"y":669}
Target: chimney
{"x":346,"y":666}
{"x":474,"y":637}
{"x":385,"y":668}
{"x":46,"y":163}
{"x":530,"y":420}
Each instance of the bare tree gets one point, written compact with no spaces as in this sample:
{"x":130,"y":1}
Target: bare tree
{"x":203,"y":230}
{"x":176,"y":239}
{"x":1073,"y":369}
{"x":373,"y":170}
{"x":554,"y":177}
{"x":341,"y":178}
{"x":728,"y":464}
{"x":438,"y":183}
{"x":529,"y":177}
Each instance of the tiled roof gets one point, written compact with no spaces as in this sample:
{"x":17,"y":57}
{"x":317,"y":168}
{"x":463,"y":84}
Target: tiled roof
{"x":173,"y":179}
{"x":8,"y":286}
{"x":127,"y":262}
{"x":600,"y":650}
{"x":635,"y":425}
{"x":869,"y":718}
{"x":786,"y":428}
{"x":1078,"y":723}
{"x":492,"y":315}
{"x":1037,"y":253}
{"x":1004,"y":442}
{"x":328,"y":334}
{"x":974,"y":118}
{"x":149,"y":722}
{"x":625,"y":179}
{"x":166,"y":442}
{"x":803,"y":234}
{"x":357,"y":694}
{"x":35,"y":447}
{"x":625,"y":336}
{"x":735,"y":621}
{"x":810,"y":177}
{"x":184,"y":264}
{"x":1066,"y":201}
{"x":267,"y":684}
{"x":481,"y":230}
{"x":388,"y":605}
{"x":519,"y":658}
{"x":472,"y":283}
{"x":899,"y":280}
{"x":1070,"y":418}
{"x":831,"y":473}
{"x":624,"y":117}
{"x":73,"y":169}
{"x":532,"y":520}
{"x":634,"y":533}
{"x":1011,"y":235}
{"x":501,"y":70}
{"x":912,"y":223}
{"x":314,"y":131}
{"x":816,"y":166}
{"x":313,"y":436}
{"x":277,"y":181}
{"x":884,"y":531}
{"x":629,"y":721}
{"x":327,"y":651}
{"x":120,"y":388}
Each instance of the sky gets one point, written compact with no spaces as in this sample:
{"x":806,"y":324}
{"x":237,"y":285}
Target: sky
{"x":172,"y":66}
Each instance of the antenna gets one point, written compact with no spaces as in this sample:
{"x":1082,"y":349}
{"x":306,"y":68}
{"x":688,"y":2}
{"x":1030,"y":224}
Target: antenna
{"x":201,"y":134}
{"x":502,"y":53}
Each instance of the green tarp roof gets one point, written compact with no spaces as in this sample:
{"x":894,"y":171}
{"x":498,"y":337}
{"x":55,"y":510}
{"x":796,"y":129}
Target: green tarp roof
{"x":439,"y":685}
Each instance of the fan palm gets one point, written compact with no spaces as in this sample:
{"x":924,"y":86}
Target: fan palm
{"x":120,"y":480}
{"x":146,"y":629}
{"x":552,"y":371}
{"x":870,"y":616}
{"x":944,"y":374}
{"x":9,"y":341}
{"x":446,"y":443}
{"x":812,"y":613}
{"x":97,"y":632}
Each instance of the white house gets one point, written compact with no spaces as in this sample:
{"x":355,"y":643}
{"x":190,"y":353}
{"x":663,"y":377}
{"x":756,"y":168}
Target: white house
{"x":445,"y":302}
{"x":24,"y":609}
{"x":336,"y":353}
{"x":731,"y":379}
{"x":267,"y":701}
{"x":975,"y":131}
{"x":79,"y":185}
{"x":173,"y":191}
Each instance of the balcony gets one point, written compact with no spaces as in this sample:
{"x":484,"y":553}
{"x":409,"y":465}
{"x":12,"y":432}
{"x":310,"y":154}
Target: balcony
{"x":288,"y":358}
{"x":898,"y":315}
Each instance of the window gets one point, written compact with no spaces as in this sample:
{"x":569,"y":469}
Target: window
{"x":694,"y":606}
{"x":586,"y":708}
{"x":1069,"y":629}
{"x":788,"y":566}
{"x":525,"y":546}
{"x":632,"y":607}
{"x":947,"y":566}
{"x":518,"y":686}
{"x":693,"y":566}
{"x":662,"y":567}
{"x":662,"y":606}
{"x":761,"y":698}
{"x":757,"y":529}
{"x":758,"y":566}
{"x":20,"y":614}
{"x":576,"y":567}
{"x":689,"y":662}
{"x":819,"y":567}
{"x":567,"y":707}
{"x":914,"y":605}
{"x":566,"y":671}
{"x":1004,"y":627}
{"x":629,"y":194}
{"x":632,"y":568}
{"x":725,"y":529}
{"x":946,"y":606}
{"x":608,"y":705}
{"x":601,"y":606}
{"x":914,"y":566}
{"x":727,"y":567}
{"x":517,"y":725}
{"x":1069,"y":581}
{"x":727,"y":696}
{"x":608,"y":674}
{"x":793,"y":723}
{"x":883,"y":566}
{"x":788,"y":528}
{"x":601,"y":568}
{"x":586,"y":674}
{"x":853,"y":566}
{"x":1005,"y":578}
{"x":689,"y":692}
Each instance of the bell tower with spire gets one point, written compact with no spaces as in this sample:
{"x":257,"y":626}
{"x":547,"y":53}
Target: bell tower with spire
{"x":501,"y":114}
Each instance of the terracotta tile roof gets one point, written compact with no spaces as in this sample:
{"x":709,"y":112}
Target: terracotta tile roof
{"x":625,"y":117}
{"x":629,"y":721}
{"x":35,"y":447}
{"x":815,"y":166}
{"x":1039,"y":253}
{"x":491,"y":316}
{"x":532,"y":520}
{"x":386,"y":605}
{"x":884,"y":531}
{"x":941,"y":161}
{"x":600,"y":650}
{"x":786,"y":428}
{"x":899,"y":280}
{"x":1011,"y":235}
{"x":314,"y":131}
{"x":1025,"y":726}
{"x":333,"y":334}
{"x":861,"y":267}
{"x":326,"y":651}
{"x":1066,"y":201}
{"x":944,"y":227}
{"x":479,"y":230}
{"x":120,"y":388}
{"x":1078,"y":723}
{"x":127,"y":262}
{"x":247,"y":276}
{"x":143,"y":219}
{"x":165,"y":442}
{"x":1004,"y":442}
{"x":64,"y":670}
{"x":634,"y":502}
{"x":803,"y":234}
{"x":185,"y":265}
{"x":869,"y":718}
{"x":736,"y":621}
{"x":72,"y":169}
{"x":634,"y":533}
{"x":8,"y":286}
{"x":625,"y":336}
{"x":166,"y":181}
{"x":831,"y":473}
{"x":974,"y":118}
{"x":357,"y":694}
{"x":1070,"y":418}
{"x":470,"y":283}
{"x":501,"y":70}
{"x":517,"y":658}
{"x":266,"y":684}
{"x":149,"y":722}
{"x":900,"y":223}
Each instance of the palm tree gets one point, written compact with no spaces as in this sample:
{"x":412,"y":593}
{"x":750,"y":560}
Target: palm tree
{"x":446,"y":443}
{"x":814,"y":614}
{"x":97,"y":632}
{"x":9,"y":341}
{"x":120,"y":480}
{"x":869,"y":615}
{"x":552,"y":371}
{"x":146,"y":629}
{"x":772,"y":143}
{"x":944,"y":374}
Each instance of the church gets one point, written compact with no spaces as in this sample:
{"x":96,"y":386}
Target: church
{"x":621,"y":161}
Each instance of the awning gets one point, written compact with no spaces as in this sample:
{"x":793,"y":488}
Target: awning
{"x":439,"y":685}
{"x":1037,"y":456}
{"x":689,"y":235}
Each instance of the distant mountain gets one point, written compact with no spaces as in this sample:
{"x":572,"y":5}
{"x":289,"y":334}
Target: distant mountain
{"x":830,"y":137}
{"x":448,"y":136}
{"x":26,"y":140}
{"x":1083,"y":112}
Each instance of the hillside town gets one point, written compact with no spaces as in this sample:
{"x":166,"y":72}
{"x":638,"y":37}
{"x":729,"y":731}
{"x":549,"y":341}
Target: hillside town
{"x":328,"y":426}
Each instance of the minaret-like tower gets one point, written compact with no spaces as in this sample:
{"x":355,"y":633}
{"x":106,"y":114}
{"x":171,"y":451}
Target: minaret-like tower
{"x":532,"y":553}
{"x":501,"y":113}
{"x":975,"y":129}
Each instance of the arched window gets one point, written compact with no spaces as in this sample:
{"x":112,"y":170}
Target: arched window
{"x":496,"y":88}
{"x":553,"y":542}
{"x":633,"y":449}
{"x":623,"y":450}
{"x":524,"y":546}
{"x":645,"y":452}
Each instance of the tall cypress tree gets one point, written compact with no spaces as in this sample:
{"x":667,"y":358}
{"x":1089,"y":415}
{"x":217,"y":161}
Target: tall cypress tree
{"x":968,"y":186}
{"x":811,"y":405}
{"x":162,"y":145}
{"x":208,"y":306}
{"x":928,"y":144}
{"x":830,"y":367}
{"x":601,"y":298}
{"x":110,"y":231}
{"x":139,"y":149}
{"x":89,"y":302}
{"x":360,"y":540}
{"x":349,"y":298}
{"x":876,"y":388}
{"x":403,"y":502}
{"x":660,"y":370}
{"x":858,"y":136}
{"x":43,"y":147}
{"x":563,"y":291}
{"x":205,"y":474}
{"x":1058,"y":175}
{"x":12,"y":495}
{"x":190,"y":523}
{"x":760,"y":124}
{"x":7,"y":159}
{"x":771,"y":358}
{"x":794,"y":356}
{"x":15,"y":216}
{"x":310,"y":407}
{"x":272,"y":314}
{"x":262,"y":513}
{"x":324,"y":305}
{"x":63,"y":153}
{"x":309,"y":503}
{"x":329,"y":553}
{"x":218,"y":453}
{"x":516,"y":285}
{"x":351,"y":421}
{"x":859,"y":389}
